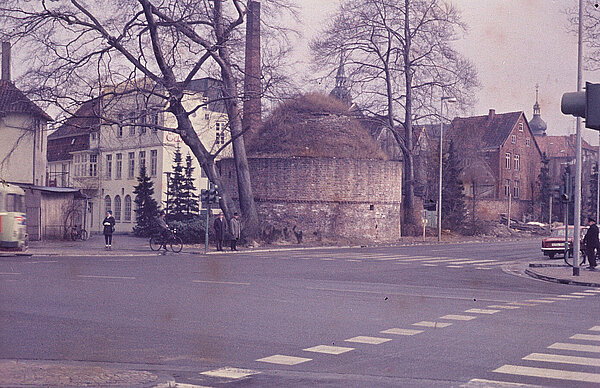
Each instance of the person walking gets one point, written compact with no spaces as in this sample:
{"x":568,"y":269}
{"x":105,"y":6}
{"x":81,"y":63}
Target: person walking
{"x":220,"y":226}
{"x":592,"y":243}
{"x":236,"y":230}
{"x":109,"y":228}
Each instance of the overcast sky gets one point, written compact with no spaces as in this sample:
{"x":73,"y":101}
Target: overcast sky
{"x":515,"y":44}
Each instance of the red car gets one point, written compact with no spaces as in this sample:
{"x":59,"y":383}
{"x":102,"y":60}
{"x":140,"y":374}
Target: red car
{"x":555,"y":244}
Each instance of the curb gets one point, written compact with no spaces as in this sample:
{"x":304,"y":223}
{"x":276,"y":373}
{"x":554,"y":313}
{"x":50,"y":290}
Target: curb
{"x":561,"y":281}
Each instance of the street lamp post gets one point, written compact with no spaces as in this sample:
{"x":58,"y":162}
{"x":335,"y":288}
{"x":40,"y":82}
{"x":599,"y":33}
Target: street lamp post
{"x":439,"y":204}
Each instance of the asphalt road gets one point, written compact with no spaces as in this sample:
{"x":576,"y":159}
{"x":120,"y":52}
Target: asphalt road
{"x":422,"y":316}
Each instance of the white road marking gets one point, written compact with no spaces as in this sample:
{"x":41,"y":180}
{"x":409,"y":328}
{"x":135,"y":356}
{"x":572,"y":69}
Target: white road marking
{"x":586,"y":337}
{"x":401,"y":331}
{"x":327,"y":259}
{"x":442,"y":260}
{"x":455,"y":317}
{"x":473,"y":262}
{"x":368,"y":340}
{"x":563,"y":359}
{"x":184,"y":385}
{"x":539,"y":301}
{"x":575,"y":347}
{"x":595,"y":328}
{"x":580,"y":293}
{"x":595,"y":290}
{"x":10,"y":273}
{"x":329,"y":349}
{"x":215,"y":282}
{"x":454,"y":266}
{"x":571,"y":296}
{"x":499,"y":306}
{"x":422,"y":258}
{"x":40,"y":262}
{"x":522,"y":304}
{"x":549,"y":373}
{"x":482,"y":383}
{"x":553,"y":298}
{"x":430,"y":265}
{"x":352,"y":260}
{"x":432,"y":324}
{"x":230,"y":373}
{"x":483,"y":268}
{"x":482,"y":311}
{"x":284,"y":360}
{"x":106,"y":277}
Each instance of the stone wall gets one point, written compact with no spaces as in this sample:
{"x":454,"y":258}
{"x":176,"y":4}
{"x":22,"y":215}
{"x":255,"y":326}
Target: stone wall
{"x":490,"y":209}
{"x":326,"y":197}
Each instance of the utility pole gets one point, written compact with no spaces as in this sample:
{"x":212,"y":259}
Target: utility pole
{"x":577,"y":220}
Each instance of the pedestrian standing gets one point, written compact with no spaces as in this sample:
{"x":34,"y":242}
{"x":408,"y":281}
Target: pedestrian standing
{"x":220,"y":226}
{"x":236,"y":231}
{"x":592,"y":244}
{"x":109,"y":228}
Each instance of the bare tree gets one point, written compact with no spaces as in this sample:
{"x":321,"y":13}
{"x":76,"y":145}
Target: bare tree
{"x":111,"y":49}
{"x":591,"y":31}
{"x":400,"y":62}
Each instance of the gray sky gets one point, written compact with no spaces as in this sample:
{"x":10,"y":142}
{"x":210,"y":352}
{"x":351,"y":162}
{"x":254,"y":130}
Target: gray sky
{"x":514,"y":45}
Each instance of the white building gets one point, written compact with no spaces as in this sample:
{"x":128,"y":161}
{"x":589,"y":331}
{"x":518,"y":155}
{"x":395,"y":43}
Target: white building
{"x":102,"y":147}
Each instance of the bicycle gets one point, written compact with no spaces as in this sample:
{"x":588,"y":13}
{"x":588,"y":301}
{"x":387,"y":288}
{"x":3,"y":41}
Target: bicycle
{"x":172,"y":240}
{"x":582,"y":256}
{"x":78,"y":234}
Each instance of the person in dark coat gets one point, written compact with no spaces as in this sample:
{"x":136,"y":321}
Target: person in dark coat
{"x":592,"y":244}
{"x":109,"y":228}
{"x":236,"y":230}
{"x":220,"y":226}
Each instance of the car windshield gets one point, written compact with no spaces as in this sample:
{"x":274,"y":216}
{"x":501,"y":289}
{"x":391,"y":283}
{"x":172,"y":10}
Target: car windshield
{"x":561,"y":232}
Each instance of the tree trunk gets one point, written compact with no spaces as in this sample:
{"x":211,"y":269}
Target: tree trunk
{"x":246,"y":197}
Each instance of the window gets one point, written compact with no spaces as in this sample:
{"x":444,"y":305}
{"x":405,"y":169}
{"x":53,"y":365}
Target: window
{"x":107,"y":204}
{"x":93,"y":165}
{"x":119,"y":166}
{"x":108,"y":166}
{"x":508,"y":161}
{"x":153,"y":162}
{"x":127,"y":212}
{"x":131,"y":166}
{"x":142,"y":160}
{"x":507,"y":188}
{"x":517,"y":162}
{"x":513,"y":139}
{"x":528,"y":142}
{"x":516,"y":190}
{"x":520,"y":127}
{"x":206,"y":116}
{"x":15,"y":203}
{"x":220,"y":133}
{"x":154,"y":120}
{"x":142,"y":123}
{"x":120,"y":126}
{"x":117,"y":212}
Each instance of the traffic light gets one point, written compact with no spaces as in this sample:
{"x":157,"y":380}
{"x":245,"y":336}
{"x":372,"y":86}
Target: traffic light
{"x":212,"y":196}
{"x":204,"y":196}
{"x":584,"y":104}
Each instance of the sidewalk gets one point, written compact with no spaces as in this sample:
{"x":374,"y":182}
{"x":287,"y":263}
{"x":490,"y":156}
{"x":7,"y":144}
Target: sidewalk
{"x":559,"y":272}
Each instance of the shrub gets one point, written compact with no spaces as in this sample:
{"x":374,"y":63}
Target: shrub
{"x":191,"y":231}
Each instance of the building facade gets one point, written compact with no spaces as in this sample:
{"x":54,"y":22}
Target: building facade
{"x":111,"y":142}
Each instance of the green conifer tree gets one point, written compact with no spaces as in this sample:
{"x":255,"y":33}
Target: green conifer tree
{"x":191,"y":197}
{"x":146,"y":209}
{"x":176,"y":189}
{"x":545,"y":188}
{"x":453,"y":195}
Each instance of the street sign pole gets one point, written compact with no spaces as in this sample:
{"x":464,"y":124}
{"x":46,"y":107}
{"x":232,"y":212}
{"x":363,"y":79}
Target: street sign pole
{"x":207,"y":220}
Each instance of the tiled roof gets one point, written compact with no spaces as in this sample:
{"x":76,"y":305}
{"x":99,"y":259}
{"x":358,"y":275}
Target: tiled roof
{"x":85,"y":120}
{"x":12,"y":100}
{"x":561,"y":146}
{"x":493,"y":129}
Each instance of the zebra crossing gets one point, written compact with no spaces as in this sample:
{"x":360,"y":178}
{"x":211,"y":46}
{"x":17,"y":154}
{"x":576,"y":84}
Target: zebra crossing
{"x":404,"y":259}
{"x":575,"y":361}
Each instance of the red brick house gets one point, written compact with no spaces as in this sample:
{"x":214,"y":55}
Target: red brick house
{"x":500,"y":158}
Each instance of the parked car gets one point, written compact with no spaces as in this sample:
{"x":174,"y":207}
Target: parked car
{"x":555,"y":244}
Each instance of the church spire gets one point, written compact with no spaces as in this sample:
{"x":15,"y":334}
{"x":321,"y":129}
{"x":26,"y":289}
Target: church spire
{"x":537,"y":125}
{"x":340,"y":91}
{"x":536,"y":106}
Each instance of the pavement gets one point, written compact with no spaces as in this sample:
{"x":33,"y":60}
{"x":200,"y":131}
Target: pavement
{"x":33,"y":373}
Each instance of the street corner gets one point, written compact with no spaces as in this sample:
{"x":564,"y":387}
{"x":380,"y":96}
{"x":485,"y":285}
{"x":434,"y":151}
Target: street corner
{"x":563,"y":273}
{"x":54,"y":374}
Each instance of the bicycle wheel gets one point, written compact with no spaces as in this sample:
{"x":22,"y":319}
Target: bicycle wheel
{"x":84,"y":235}
{"x":155,"y":243}
{"x":582,"y":259}
{"x":176,"y":244}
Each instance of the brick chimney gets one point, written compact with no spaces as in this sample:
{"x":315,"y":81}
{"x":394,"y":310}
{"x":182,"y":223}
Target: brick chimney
{"x":5,"y":61}
{"x":252,"y":81}
{"x":491,"y":115}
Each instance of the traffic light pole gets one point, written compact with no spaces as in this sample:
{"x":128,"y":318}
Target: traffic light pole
{"x":207,"y":221}
{"x":577,"y":218}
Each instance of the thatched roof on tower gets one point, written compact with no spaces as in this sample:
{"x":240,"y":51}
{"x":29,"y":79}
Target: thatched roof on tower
{"x":314,"y":125}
